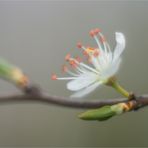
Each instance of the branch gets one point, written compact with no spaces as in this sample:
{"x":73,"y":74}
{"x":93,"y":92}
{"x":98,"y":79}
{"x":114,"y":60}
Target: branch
{"x":45,"y":98}
{"x":33,"y":93}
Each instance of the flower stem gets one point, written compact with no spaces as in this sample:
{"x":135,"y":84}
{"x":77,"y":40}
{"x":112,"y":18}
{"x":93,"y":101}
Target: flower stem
{"x":121,"y":90}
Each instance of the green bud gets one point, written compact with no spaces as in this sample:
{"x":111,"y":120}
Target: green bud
{"x":100,"y":114}
{"x":118,"y":108}
{"x":5,"y":69}
{"x":104,"y":112}
{"x":12,"y":73}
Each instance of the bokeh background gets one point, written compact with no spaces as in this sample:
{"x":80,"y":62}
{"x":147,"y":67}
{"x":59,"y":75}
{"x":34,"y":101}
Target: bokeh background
{"x":36,"y":36}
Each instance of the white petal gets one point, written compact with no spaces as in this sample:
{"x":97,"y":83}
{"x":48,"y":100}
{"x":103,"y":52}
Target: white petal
{"x":86,"y":91}
{"x":110,"y":69}
{"x":120,"y":46}
{"x":114,"y":68}
{"x":82,"y":81}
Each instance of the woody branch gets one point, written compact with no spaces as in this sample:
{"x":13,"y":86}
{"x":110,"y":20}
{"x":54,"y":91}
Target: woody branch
{"x":35,"y":94}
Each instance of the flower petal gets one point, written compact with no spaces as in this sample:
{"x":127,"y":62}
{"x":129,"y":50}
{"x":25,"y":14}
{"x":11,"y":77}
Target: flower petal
{"x":86,"y":91}
{"x":82,"y":81}
{"x":113,"y":68}
{"x":120,"y":46}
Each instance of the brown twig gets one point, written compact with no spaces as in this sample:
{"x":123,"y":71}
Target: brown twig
{"x":35,"y":94}
{"x":45,"y":98}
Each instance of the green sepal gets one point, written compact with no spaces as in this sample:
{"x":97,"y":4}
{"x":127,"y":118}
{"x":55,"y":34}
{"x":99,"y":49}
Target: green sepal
{"x":100,"y":114}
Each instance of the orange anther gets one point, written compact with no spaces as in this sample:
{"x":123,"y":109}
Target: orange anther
{"x":73,"y":63}
{"x":67,"y":57}
{"x":92,"y":33}
{"x":64,"y":68}
{"x":54,"y":77}
{"x":96,"y":31}
{"x":79,"y":45}
{"x":90,"y":48}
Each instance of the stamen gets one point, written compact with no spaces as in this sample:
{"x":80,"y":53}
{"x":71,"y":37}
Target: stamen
{"x":85,"y":53}
{"x":90,"y":48}
{"x":67,"y":57}
{"x":98,"y":43}
{"x":79,"y":45}
{"x":96,"y":53}
{"x":102,"y":39}
{"x":73,"y":63}
{"x":88,"y":67}
{"x":96,"y":31}
{"x":92,"y":33}
{"x":92,"y":51}
{"x":78,"y":59}
{"x":83,"y":48}
{"x":64,"y":68}
{"x":83,"y":65}
{"x":104,"y":42}
{"x":80,"y":70}
{"x":54,"y":77}
{"x":67,"y":78}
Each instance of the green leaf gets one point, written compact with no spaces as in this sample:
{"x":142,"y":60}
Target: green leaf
{"x":100,"y":114}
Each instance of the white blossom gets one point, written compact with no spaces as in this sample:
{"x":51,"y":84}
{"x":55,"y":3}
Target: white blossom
{"x":105,"y":63}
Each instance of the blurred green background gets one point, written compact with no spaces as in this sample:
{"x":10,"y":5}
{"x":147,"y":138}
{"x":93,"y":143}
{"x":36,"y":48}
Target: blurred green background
{"x":36,"y":36}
